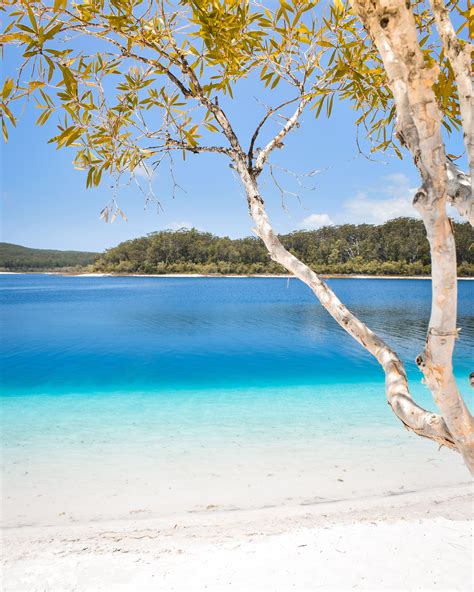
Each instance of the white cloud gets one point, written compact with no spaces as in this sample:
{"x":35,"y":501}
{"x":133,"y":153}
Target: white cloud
{"x":362,"y":208}
{"x":144,"y":171}
{"x":315,"y":221}
{"x":392,"y":200}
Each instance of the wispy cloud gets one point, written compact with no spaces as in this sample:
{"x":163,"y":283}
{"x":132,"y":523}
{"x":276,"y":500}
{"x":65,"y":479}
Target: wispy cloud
{"x":144,"y":171}
{"x":315,"y":221}
{"x":391,"y":200}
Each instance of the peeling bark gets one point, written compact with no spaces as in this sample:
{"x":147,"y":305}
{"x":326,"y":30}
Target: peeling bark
{"x":459,"y":55}
{"x":460,"y":193}
{"x":392,"y":27}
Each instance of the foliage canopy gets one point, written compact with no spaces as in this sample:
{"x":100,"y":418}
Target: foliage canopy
{"x":396,"y":247}
{"x":133,"y":80}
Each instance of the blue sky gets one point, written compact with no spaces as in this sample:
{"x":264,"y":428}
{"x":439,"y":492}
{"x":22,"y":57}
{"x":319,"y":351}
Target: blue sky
{"x":44,"y":202}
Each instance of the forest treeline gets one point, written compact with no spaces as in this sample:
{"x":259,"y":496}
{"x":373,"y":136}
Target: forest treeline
{"x":397,"y":247}
{"x":18,"y":258}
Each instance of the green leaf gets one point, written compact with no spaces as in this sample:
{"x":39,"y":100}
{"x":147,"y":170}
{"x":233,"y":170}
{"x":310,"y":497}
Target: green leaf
{"x":43,"y":118}
{"x":7,"y":88}
{"x":4,"y":130}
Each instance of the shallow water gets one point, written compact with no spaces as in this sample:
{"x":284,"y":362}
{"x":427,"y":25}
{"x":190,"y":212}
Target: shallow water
{"x":130,"y":396}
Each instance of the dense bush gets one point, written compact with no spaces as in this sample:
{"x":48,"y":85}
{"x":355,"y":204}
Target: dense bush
{"x":396,"y":247}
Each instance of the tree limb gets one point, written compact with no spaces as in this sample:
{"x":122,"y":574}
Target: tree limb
{"x":459,"y":55}
{"x":276,"y":141}
{"x":414,"y":418}
{"x":262,"y":122}
{"x":460,"y":192}
{"x":171,"y":144}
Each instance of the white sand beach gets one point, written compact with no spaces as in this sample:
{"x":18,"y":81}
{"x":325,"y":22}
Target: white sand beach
{"x":413,"y":541}
{"x":260,"y":275}
{"x":379,"y":511}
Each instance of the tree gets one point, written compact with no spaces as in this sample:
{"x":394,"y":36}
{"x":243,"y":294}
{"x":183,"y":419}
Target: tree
{"x":411,"y":77}
{"x":175,"y":67}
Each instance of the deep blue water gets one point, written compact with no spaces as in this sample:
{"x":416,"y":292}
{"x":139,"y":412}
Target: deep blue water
{"x":81,"y":334}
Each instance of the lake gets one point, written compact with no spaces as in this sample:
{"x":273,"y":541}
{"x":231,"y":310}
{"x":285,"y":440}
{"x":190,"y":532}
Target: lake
{"x":148,"y":396}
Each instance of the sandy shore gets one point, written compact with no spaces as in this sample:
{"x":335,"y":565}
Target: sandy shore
{"x":260,"y":275}
{"x":215,"y":275}
{"x":411,"y":541}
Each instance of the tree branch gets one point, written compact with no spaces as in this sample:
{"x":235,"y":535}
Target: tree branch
{"x":459,"y":55}
{"x":276,"y":141}
{"x":413,"y":417}
{"x":171,"y":144}
{"x":460,"y":192}
{"x":159,"y":67}
{"x":268,"y":114}
{"x":212,"y":106}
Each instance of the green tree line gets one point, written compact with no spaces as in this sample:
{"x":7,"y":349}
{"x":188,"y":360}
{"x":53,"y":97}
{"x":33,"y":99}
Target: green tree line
{"x":18,"y":258}
{"x":398,"y":246}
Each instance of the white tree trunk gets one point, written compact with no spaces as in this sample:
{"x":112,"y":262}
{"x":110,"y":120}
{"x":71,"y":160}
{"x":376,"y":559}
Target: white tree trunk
{"x":459,"y":54}
{"x":392,"y":27}
{"x":414,"y":417}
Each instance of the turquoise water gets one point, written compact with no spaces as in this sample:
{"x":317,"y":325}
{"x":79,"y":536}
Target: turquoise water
{"x":83,"y":335}
{"x":193,"y":385}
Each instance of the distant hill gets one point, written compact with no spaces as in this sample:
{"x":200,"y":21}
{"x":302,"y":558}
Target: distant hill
{"x":397,"y":247}
{"x":18,"y":258}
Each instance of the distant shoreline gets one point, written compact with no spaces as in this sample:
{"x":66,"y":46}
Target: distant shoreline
{"x":215,"y":275}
